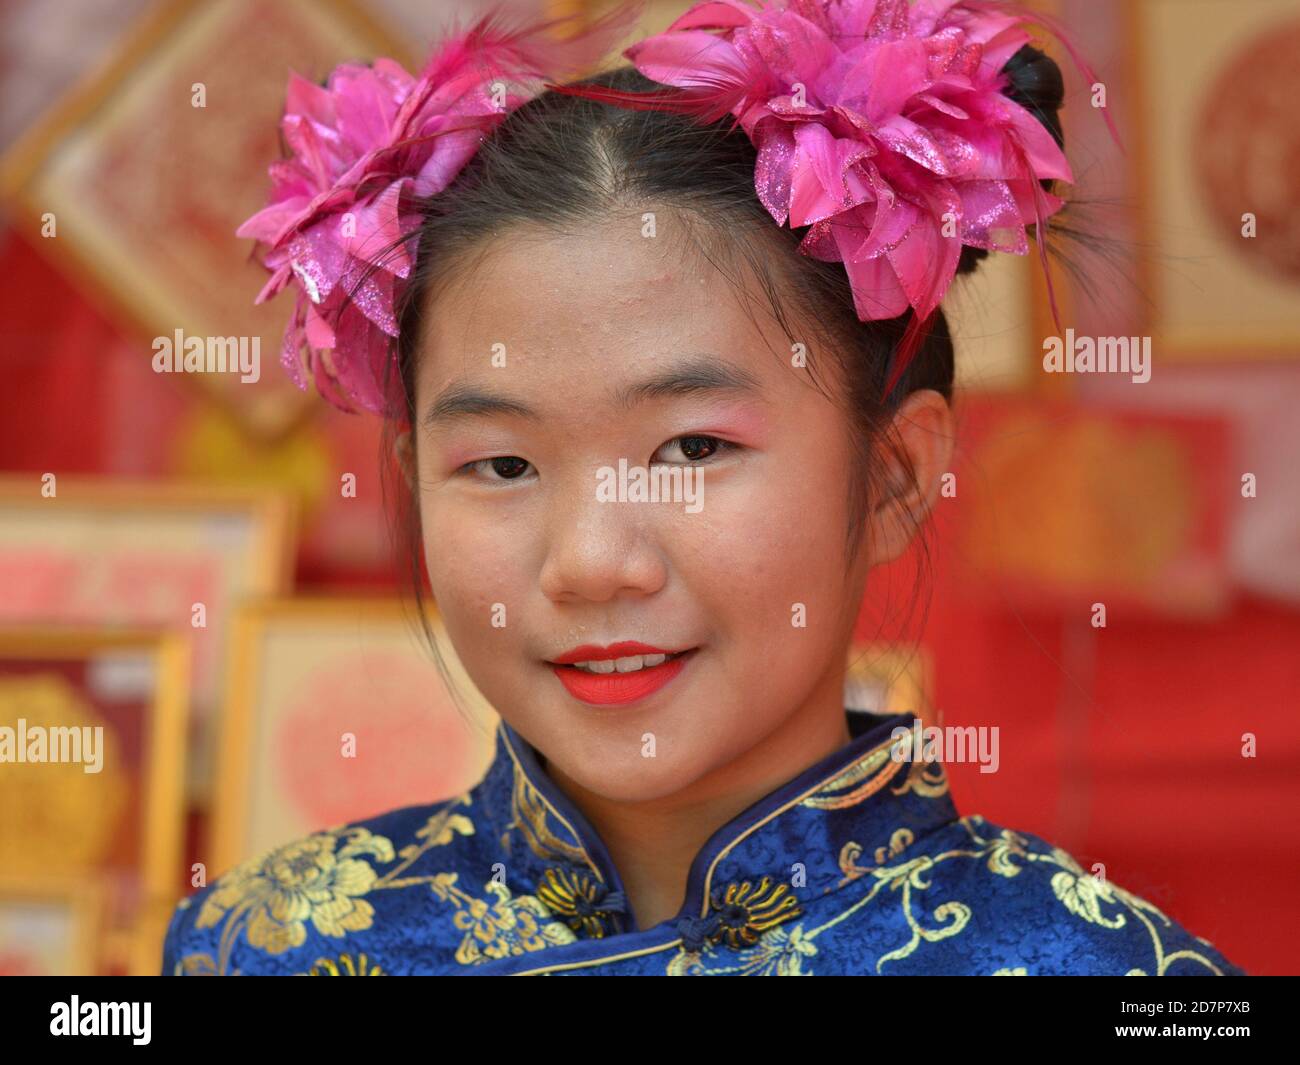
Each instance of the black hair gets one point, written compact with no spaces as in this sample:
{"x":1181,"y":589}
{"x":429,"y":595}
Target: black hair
{"x":559,"y":160}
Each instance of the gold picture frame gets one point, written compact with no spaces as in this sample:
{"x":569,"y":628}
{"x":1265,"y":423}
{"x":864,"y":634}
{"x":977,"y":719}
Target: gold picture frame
{"x":306,"y":670}
{"x":155,"y":244}
{"x":118,"y":553}
{"x":134,"y":683}
{"x":1208,"y":296}
{"x":73,"y":907}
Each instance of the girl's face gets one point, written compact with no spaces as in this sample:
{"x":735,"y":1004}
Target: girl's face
{"x":555,"y":356}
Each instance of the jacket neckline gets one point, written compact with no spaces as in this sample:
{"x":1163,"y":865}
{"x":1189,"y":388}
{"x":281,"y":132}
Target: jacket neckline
{"x":855,"y":797}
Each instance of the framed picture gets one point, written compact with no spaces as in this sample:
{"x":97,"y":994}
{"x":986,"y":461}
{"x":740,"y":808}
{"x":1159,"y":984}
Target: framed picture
{"x":136,"y":182}
{"x":108,"y":553}
{"x":336,"y":712}
{"x":1216,"y":82}
{"x":50,"y":926}
{"x":1064,"y":508}
{"x":92,"y":741}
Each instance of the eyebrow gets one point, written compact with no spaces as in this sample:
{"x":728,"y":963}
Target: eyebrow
{"x":694,"y":375}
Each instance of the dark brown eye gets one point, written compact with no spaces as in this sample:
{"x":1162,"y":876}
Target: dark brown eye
{"x":503,"y":468}
{"x":693,"y":448}
{"x":698,"y":447}
{"x":509,"y":467}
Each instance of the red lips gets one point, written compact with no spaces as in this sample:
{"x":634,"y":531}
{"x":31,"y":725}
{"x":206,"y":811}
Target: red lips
{"x":606,"y":689}
{"x":589,"y":652}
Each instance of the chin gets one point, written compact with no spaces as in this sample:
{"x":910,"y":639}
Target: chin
{"x":644,"y":783}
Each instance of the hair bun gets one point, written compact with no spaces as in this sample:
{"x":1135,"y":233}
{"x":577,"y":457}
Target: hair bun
{"x":970,"y":258}
{"x":1038,"y":86}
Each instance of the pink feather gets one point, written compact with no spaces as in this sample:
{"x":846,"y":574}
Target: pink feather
{"x":366,"y":147}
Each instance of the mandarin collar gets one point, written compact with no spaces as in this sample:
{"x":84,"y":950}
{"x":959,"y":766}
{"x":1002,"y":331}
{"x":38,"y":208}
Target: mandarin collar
{"x":799,"y":842}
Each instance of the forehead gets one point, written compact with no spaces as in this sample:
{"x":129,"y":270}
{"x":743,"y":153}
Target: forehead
{"x":603,"y":301}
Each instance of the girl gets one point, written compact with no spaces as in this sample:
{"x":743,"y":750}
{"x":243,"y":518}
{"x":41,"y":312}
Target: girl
{"x":656,"y":442}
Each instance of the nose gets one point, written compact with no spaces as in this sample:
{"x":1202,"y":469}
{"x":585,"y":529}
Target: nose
{"x":598,"y":550}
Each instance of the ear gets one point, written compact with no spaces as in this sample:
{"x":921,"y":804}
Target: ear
{"x":922,"y":436}
{"x":404,"y":449}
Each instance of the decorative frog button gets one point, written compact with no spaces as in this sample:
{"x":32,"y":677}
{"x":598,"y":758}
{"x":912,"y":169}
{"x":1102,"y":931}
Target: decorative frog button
{"x":740,"y":915}
{"x":583,"y":902}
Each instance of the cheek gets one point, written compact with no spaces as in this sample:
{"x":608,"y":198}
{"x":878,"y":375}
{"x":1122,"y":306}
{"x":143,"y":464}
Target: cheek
{"x":766,"y":549}
{"x":780,"y":524}
{"x":473,"y":565}
{"x":469,"y":563}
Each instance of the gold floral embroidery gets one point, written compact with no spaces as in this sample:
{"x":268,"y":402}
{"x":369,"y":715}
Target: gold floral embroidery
{"x":851,"y":851}
{"x":1002,"y":850}
{"x":926,"y":779}
{"x":274,"y":895}
{"x":1082,"y":893}
{"x":530,"y":815}
{"x":344,"y":966}
{"x":872,"y":772}
{"x":898,"y":842}
{"x":911,"y":876}
{"x":509,"y":926}
{"x":195,"y":965}
{"x":1083,"y":896}
{"x":776,"y":954}
{"x":1006,"y":854}
{"x":442,"y":827}
{"x":857,"y":783}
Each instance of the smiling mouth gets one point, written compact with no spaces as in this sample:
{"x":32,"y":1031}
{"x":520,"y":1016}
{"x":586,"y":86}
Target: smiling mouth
{"x":640,"y":676}
{"x":622,"y":665}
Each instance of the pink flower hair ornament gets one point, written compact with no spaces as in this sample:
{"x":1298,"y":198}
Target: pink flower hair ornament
{"x":881,"y":125}
{"x":366,"y":148}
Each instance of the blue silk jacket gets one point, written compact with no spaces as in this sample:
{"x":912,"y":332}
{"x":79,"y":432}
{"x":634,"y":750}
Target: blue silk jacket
{"x":859,"y":865}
